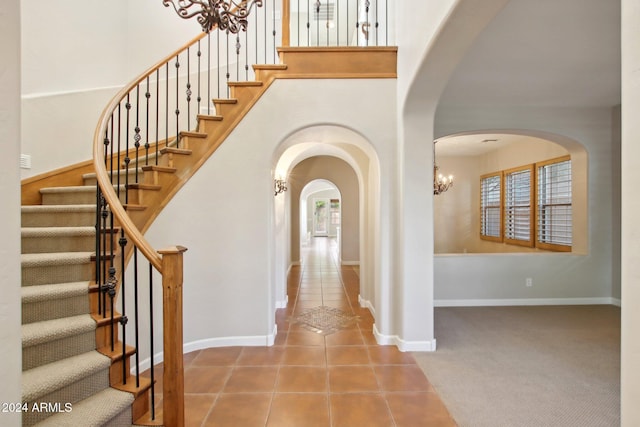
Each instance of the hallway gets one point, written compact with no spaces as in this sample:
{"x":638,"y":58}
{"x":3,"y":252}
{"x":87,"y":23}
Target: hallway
{"x":324,"y":370}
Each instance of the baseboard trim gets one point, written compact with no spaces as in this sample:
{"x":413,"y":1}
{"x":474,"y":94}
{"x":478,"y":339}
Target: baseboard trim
{"x":403,"y":345}
{"x":616,"y":301}
{"x":364,"y":303}
{"x":343,"y":262}
{"x":243,"y":341}
{"x":524,"y":302}
{"x":283,"y":303}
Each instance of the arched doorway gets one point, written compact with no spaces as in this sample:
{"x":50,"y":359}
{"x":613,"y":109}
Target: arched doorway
{"x":347,"y":160}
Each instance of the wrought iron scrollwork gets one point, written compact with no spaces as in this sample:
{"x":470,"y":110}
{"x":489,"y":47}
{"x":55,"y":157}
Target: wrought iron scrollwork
{"x":224,"y":14}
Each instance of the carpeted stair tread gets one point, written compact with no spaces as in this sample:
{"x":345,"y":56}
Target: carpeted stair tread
{"x":61,"y":267}
{"x":53,"y":259}
{"x":68,"y":189}
{"x":46,"y":302}
{"x":45,"y":379}
{"x":56,"y":239}
{"x":31,"y":294}
{"x":100,"y":409}
{"x":58,"y":209}
{"x":55,"y":329}
{"x":57,"y":231}
{"x":58,"y":215}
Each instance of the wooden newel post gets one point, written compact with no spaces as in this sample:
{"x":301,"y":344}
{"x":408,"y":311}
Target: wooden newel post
{"x":173,"y":378}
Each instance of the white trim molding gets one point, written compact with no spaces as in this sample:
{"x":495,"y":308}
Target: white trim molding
{"x":402,"y":344}
{"x":244,"y":341}
{"x":343,"y":262}
{"x":283,"y":303}
{"x":364,"y":303}
{"x":524,"y":302}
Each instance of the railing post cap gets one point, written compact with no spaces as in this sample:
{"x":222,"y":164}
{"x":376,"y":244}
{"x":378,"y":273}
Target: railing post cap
{"x":172,"y":250}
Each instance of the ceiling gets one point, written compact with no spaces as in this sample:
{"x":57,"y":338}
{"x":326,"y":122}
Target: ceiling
{"x":556,"y":53}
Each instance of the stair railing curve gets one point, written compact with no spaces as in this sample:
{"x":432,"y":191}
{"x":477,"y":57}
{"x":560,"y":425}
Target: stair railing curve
{"x":112,"y":150}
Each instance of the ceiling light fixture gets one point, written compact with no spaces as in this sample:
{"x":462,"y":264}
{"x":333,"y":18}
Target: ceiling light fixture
{"x":441,"y":183}
{"x":223,"y":14}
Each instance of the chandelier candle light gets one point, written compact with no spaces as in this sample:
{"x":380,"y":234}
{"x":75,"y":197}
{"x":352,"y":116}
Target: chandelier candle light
{"x":223,"y":14}
{"x":441,"y":183}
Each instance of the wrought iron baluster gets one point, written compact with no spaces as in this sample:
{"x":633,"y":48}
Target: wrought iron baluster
{"x":238,"y":47}
{"x":123,"y":319}
{"x":136,"y":136}
{"x":177,"y":101}
{"x":318,"y":4}
{"x":273,"y":12}
{"x":135,"y":312}
{"x":199,"y":78}
{"x":357,"y":22}
{"x":147,"y":95}
{"x":308,"y":23}
{"x":338,"y":22}
{"x":166,"y":107}
{"x":377,"y":21}
{"x":153,"y":386}
{"x":366,"y":5}
{"x":157,"y":114}
{"x":227,"y":67}
{"x":188,"y":91}
{"x":246,"y":56}
{"x":111,"y":291}
{"x":127,"y":159}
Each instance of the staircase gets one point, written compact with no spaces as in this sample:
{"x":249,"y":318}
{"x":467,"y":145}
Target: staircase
{"x":65,"y":379}
{"x":71,"y":376}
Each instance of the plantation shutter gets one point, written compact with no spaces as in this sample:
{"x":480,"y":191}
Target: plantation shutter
{"x":491,"y":207}
{"x":518,"y":212}
{"x":554,"y":212}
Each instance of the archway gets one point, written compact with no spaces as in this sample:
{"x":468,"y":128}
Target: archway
{"x":331,"y":153}
{"x":471,"y":154}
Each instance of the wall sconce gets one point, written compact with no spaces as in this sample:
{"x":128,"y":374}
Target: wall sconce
{"x":279,"y":186}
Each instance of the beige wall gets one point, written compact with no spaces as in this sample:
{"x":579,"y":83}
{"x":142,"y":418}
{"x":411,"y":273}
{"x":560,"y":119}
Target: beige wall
{"x":10,"y":331}
{"x":342,"y":175}
{"x":630,"y":241}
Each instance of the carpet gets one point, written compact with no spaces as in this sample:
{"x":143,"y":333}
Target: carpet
{"x":527,"y":366}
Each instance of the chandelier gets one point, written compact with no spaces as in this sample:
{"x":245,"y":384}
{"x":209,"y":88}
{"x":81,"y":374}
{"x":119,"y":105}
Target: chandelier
{"x":224,"y":14}
{"x":441,"y":183}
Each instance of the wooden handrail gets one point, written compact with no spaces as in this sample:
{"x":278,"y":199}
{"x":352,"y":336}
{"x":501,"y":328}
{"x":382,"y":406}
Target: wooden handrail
{"x":101,"y":171}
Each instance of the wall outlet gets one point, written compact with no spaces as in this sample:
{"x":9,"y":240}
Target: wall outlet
{"x":528,"y":282}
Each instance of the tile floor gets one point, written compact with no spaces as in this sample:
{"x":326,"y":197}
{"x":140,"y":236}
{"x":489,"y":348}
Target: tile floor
{"x":307,"y":379}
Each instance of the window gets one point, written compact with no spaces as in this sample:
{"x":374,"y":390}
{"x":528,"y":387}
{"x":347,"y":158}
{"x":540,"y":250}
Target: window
{"x":491,"y":207}
{"x":554,"y":213}
{"x":518,"y":213}
{"x":529,"y":205}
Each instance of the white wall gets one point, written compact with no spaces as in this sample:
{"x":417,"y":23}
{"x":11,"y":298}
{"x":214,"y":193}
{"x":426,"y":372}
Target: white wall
{"x":577,"y":278}
{"x":630,"y":375}
{"x":10,"y":318}
{"x":422,"y":75}
{"x":75,"y":59}
{"x":229,"y":227}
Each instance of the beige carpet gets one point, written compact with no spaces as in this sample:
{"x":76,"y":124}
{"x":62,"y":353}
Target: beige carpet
{"x":527,"y":366}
